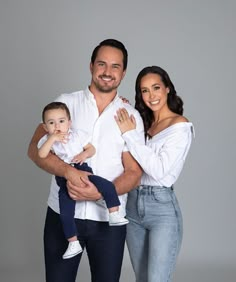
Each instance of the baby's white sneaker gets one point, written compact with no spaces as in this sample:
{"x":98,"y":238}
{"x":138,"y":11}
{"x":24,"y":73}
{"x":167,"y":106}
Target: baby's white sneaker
{"x":115,"y":219}
{"x":73,"y":249}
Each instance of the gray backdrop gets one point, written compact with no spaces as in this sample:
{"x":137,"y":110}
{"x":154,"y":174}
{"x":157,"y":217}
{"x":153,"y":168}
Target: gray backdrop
{"x":45,"y":50}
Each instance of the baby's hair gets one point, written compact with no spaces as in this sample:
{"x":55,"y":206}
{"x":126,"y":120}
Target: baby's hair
{"x":55,"y":106}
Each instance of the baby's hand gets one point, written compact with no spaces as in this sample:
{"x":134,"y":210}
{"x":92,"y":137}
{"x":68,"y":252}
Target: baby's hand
{"x":60,"y":137}
{"x":80,"y":158}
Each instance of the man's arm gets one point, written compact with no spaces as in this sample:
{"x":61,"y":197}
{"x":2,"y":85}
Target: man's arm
{"x":129,"y":179}
{"x":53,"y":165}
{"x":131,"y":176}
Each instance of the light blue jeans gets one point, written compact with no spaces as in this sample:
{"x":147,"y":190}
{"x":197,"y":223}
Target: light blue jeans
{"x":154,"y":233}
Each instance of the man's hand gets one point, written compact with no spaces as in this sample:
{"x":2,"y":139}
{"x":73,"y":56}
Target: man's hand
{"x":79,"y":187}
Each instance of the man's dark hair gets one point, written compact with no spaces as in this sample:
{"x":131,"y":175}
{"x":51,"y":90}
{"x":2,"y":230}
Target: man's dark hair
{"x":115,"y":44}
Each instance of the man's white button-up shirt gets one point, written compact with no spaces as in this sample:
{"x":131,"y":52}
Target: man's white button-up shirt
{"x":106,"y":137}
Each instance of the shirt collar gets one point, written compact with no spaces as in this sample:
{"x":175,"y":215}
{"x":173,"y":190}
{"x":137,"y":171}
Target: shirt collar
{"x":90,"y":95}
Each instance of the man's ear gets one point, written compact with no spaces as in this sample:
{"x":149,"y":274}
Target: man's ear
{"x":124,"y":73}
{"x":91,"y":68}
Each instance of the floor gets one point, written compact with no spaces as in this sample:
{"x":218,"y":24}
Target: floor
{"x":183,"y":274}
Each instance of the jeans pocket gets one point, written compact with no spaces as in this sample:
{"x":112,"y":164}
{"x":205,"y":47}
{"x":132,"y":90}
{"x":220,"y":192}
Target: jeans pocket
{"x":162,"y":196}
{"x":131,"y":205}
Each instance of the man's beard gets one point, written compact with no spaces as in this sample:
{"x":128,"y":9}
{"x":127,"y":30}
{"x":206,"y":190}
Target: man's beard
{"x":105,"y":88}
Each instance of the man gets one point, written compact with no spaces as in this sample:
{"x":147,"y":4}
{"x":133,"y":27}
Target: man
{"x":93,"y":111}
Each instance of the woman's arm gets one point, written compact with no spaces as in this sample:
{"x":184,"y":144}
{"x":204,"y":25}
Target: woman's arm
{"x":159,"y":161}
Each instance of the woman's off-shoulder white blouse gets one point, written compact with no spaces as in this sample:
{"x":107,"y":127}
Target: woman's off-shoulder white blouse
{"x":163,"y":156}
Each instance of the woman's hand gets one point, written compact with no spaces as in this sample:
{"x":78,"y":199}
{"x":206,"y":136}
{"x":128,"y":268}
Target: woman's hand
{"x":125,"y":121}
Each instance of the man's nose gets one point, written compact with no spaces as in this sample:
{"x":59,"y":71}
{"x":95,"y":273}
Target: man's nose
{"x":107,"y":71}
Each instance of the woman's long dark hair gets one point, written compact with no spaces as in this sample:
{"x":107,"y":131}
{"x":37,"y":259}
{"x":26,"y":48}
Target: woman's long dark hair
{"x":174,"y":102}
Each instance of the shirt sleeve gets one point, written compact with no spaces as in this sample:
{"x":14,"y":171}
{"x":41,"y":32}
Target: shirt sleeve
{"x":139,"y":131}
{"x":42,"y":141}
{"x":161,"y":160}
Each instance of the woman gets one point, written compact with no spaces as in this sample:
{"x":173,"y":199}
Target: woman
{"x":154,"y":233}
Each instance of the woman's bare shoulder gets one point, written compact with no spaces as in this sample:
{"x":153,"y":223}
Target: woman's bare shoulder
{"x":179,"y":118}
